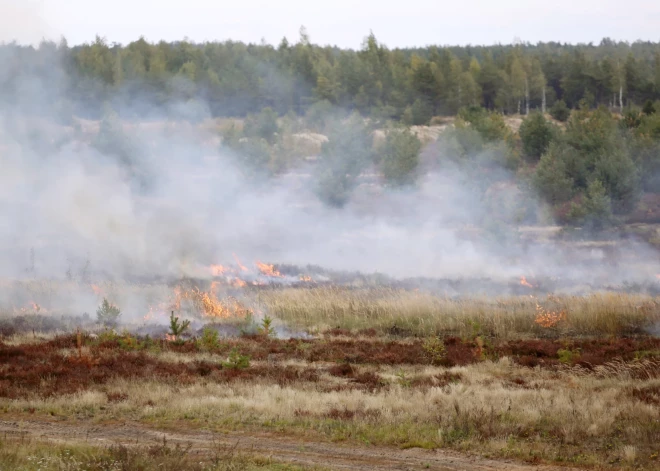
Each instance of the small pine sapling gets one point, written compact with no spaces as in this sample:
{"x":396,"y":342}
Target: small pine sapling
{"x":266,"y":328}
{"x":177,"y":327}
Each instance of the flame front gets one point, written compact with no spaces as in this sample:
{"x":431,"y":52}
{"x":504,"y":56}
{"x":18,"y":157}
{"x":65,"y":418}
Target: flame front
{"x":268,"y":270}
{"x":524,"y":282}
{"x":217,"y":270}
{"x":548,"y":319}
{"x":238,"y":262}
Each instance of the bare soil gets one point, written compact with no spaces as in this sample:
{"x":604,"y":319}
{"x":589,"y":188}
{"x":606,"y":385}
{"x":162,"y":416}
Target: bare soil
{"x":278,"y":448}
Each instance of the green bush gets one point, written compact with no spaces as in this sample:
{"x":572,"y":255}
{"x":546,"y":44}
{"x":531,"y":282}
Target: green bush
{"x":435,"y":350}
{"x":209,"y":340}
{"x":400,"y":157}
{"x":108,"y":314}
{"x":343,"y":157}
{"x":551,"y":177}
{"x":236,"y":361}
{"x":422,"y":112}
{"x":597,"y":206}
{"x":560,"y":111}
{"x":649,"y":108}
{"x":262,"y":125}
{"x":536,"y":134}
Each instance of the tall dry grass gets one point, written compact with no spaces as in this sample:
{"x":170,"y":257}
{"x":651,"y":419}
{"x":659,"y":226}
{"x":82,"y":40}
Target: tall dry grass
{"x":423,"y":314}
{"x":493,"y":407}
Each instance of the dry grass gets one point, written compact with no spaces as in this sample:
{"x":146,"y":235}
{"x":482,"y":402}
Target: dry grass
{"x":498,"y":408}
{"x":424,"y":314}
{"x":508,"y":387}
{"x":387,"y":310}
{"x":25,"y":455}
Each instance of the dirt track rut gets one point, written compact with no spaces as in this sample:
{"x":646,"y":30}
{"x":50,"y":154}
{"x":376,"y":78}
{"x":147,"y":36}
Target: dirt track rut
{"x":279,"y":448}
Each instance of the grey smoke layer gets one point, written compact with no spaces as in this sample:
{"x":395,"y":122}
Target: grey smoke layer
{"x":183,"y":203}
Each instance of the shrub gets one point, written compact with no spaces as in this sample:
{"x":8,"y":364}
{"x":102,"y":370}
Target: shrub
{"x":631,"y":118}
{"x":343,"y":158}
{"x":209,"y":340}
{"x":536,"y":134}
{"x":552,"y":178}
{"x":435,"y":350}
{"x":421,"y":112}
{"x":597,"y":206}
{"x":318,"y":115}
{"x":560,"y":111}
{"x":128,"y":342}
{"x":108,"y":314}
{"x":567,"y":356}
{"x":491,"y":126}
{"x":263,"y":125}
{"x":236,"y":361}
{"x":649,"y":108}
{"x":400,"y":157}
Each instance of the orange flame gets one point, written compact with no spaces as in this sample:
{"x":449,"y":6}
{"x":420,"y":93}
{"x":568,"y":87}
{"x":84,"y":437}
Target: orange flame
{"x":524,"y":282}
{"x":97,"y":290}
{"x":206,"y":303}
{"x":217,"y":270}
{"x":238,"y":283}
{"x":548,"y":319}
{"x":268,"y":270}
{"x":306,"y":279}
{"x":238,"y":262}
{"x":170,"y":338}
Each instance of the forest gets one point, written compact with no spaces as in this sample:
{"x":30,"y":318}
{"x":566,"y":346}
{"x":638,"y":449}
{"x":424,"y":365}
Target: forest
{"x":589,"y":143}
{"x":233,"y":78}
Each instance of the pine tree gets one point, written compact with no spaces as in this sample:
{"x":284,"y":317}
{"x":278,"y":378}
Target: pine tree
{"x":551,"y":177}
{"x":597,"y":207}
{"x":536,"y":134}
{"x":400,"y":157}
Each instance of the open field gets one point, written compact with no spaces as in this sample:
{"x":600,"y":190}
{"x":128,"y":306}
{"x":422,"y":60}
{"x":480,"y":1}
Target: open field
{"x":287,"y":366}
{"x":355,"y":375}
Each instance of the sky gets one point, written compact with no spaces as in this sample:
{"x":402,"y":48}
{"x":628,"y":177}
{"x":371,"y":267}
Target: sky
{"x":343,"y":23}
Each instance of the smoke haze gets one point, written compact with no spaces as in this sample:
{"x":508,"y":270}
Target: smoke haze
{"x":184,"y":203}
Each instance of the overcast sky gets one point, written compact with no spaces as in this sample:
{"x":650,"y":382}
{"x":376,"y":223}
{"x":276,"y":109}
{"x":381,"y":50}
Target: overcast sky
{"x":396,"y":23}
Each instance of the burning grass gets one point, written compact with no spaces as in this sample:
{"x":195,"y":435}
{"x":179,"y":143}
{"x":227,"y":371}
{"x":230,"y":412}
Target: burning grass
{"x":422,"y":314}
{"x":552,"y":378}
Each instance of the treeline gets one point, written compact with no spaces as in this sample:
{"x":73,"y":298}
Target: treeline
{"x":410,"y":85}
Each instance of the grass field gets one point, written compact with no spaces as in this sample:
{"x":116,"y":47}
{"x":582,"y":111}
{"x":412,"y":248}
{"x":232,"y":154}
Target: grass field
{"x":560,"y":380}
{"x":554,"y":379}
{"x":424,"y":314}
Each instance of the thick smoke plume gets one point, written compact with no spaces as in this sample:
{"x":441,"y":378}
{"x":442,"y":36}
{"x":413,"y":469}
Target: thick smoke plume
{"x":180,"y":202}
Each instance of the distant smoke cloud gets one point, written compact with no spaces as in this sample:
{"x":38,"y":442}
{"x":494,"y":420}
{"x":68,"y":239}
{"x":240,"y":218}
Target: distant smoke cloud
{"x":66,"y":208}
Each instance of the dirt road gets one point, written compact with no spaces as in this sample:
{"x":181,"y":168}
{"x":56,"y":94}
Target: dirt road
{"x":279,"y":448}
